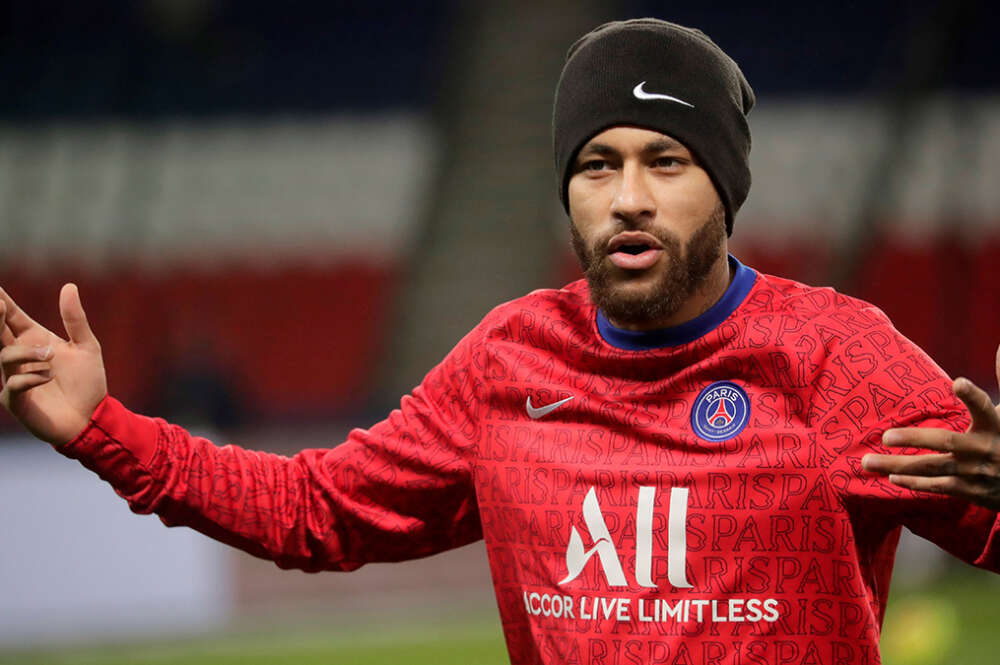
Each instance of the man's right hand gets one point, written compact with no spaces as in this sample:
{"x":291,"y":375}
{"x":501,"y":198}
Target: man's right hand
{"x":51,"y":385}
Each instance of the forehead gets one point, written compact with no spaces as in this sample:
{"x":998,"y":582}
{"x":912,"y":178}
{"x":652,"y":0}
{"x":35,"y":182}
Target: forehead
{"x":632,"y":139}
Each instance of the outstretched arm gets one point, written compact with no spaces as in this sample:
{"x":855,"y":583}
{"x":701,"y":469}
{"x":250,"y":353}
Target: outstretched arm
{"x":966,"y":465}
{"x":401,"y":489}
{"x":50,"y":384}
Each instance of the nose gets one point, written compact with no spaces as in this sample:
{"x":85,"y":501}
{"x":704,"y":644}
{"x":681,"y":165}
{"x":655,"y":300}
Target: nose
{"x":633,"y":201}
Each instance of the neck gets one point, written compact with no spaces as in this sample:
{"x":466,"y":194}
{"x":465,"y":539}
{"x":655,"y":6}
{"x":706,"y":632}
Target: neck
{"x":699,"y":302}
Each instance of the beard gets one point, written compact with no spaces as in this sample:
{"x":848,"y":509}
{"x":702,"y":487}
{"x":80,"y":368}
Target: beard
{"x":686,"y":271}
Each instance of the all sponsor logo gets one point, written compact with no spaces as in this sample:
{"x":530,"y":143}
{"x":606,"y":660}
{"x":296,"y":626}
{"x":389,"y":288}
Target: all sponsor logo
{"x":721,"y":411}
{"x":577,"y":555}
{"x":679,"y":608}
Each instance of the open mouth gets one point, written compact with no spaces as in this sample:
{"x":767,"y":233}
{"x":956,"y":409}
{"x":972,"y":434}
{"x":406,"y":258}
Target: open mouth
{"x":634,"y":250}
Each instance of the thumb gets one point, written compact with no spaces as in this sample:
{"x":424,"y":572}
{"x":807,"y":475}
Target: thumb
{"x":73,"y":316}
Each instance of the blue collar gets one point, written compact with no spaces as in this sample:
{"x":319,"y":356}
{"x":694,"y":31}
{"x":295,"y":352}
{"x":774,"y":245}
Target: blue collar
{"x":643,"y":340}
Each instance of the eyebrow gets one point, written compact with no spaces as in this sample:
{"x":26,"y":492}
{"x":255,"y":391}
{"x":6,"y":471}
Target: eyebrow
{"x":657,"y":145}
{"x":597,"y":149}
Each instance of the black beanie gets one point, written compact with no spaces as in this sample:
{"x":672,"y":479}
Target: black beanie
{"x":661,"y":76}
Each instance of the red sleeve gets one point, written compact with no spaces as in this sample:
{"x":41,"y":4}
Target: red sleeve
{"x":903,"y":388}
{"x":400,"y":490}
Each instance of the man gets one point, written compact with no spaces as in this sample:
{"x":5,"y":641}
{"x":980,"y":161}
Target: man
{"x":671,"y":462}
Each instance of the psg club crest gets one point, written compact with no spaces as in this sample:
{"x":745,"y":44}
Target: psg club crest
{"x":721,"y":411}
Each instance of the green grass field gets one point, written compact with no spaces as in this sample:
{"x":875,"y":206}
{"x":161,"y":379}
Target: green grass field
{"x":955,"y":621}
{"x":471,"y":643}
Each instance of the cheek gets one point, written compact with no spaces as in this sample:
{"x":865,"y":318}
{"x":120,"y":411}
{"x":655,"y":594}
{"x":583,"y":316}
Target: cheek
{"x":585,"y":202}
{"x":692,"y":202}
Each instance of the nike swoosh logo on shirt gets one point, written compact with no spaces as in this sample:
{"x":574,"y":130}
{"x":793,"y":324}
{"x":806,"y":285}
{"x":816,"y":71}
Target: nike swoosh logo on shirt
{"x":642,"y":94}
{"x":535,"y":414}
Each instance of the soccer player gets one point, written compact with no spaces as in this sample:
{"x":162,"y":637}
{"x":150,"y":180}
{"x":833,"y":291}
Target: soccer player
{"x":676,"y":460}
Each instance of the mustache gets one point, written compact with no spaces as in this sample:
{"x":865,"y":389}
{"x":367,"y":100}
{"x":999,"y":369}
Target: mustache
{"x":599,"y":248}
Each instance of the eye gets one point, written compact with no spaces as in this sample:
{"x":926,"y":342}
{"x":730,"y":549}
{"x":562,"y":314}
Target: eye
{"x":667,"y":162}
{"x":594,"y":165}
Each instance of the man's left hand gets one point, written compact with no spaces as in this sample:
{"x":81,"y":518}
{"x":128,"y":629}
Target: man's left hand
{"x":966,"y":465}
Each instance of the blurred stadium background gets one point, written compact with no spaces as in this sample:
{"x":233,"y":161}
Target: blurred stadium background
{"x":281,"y":215}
